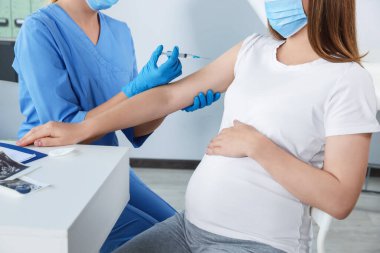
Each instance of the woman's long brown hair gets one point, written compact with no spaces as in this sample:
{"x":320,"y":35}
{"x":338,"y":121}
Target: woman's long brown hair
{"x":332,"y":30}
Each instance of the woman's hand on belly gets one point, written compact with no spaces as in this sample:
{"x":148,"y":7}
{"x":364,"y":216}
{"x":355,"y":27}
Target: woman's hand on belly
{"x":241,"y":140}
{"x":334,"y":189}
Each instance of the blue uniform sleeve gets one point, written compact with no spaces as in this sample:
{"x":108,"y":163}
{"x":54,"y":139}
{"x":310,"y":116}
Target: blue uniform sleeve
{"x":136,"y":141}
{"x":129,"y":133}
{"x":44,"y":75}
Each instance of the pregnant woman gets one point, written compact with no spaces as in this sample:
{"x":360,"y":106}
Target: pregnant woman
{"x":71,"y":59}
{"x":299,"y":114}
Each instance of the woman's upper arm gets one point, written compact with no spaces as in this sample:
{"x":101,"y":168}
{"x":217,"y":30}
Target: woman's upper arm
{"x":350,"y":118}
{"x":216,"y":76}
{"x":346,"y":158}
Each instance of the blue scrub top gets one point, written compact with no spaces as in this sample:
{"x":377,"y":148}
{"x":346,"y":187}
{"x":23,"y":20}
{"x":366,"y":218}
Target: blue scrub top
{"x":63,"y":75}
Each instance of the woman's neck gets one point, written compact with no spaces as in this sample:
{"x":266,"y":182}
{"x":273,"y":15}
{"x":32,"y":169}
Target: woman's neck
{"x":79,"y":11}
{"x":85,"y":18}
{"x":297,"y":49}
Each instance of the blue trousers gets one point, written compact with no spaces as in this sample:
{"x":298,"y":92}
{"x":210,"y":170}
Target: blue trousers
{"x":145,"y":208}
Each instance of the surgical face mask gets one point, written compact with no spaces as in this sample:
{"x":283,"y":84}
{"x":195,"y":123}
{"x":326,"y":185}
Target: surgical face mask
{"x":287,"y":17}
{"x":98,"y":5}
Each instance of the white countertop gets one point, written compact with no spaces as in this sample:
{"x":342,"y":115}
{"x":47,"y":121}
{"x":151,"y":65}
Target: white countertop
{"x":89,"y":190}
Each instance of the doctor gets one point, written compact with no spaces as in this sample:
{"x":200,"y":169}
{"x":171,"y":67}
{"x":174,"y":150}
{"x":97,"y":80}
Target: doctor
{"x":70,"y":59}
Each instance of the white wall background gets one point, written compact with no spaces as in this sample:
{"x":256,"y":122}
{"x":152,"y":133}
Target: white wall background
{"x":368,"y":28}
{"x":374,"y":155}
{"x":207,"y":28}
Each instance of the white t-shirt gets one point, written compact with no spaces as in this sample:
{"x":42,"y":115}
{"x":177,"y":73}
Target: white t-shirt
{"x":297,"y":107}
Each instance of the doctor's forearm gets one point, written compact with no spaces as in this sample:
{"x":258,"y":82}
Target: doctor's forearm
{"x":114,"y":101}
{"x":140,"y":130}
{"x":145,"y":107}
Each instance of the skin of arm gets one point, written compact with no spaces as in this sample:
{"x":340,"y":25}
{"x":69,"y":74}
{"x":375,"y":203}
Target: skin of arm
{"x":145,"y":107}
{"x":334,"y":189}
{"x":140,"y":130}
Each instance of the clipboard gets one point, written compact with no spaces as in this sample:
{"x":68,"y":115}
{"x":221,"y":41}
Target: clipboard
{"x":38,"y":155}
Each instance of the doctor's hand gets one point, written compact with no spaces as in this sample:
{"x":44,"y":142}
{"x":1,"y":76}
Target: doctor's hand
{"x":239,"y":141}
{"x":203,"y":100}
{"x":152,"y":75}
{"x":54,"y":134}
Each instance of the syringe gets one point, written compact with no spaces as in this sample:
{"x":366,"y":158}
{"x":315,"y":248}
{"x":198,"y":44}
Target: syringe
{"x":184,"y":55}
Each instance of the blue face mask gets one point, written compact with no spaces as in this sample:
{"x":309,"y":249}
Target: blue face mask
{"x":98,"y":5}
{"x":286,"y":17}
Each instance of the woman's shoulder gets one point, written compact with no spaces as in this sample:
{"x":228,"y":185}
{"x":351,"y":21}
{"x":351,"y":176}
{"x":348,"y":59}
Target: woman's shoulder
{"x":34,"y":21}
{"x":353,"y":77}
{"x":353,"y":71}
{"x":38,"y":31}
{"x":39,"y":20}
{"x":257,"y":42}
{"x":258,"y":39}
{"x":34,"y":28}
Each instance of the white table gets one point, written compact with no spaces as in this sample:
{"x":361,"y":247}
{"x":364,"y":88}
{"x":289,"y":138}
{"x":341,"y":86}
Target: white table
{"x":90,"y":188}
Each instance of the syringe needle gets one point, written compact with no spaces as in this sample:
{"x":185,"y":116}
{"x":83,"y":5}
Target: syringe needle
{"x":185,"y":56}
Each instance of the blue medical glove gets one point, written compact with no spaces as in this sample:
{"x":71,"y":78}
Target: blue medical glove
{"x":203,"y":100}
{"x":152,"y":76}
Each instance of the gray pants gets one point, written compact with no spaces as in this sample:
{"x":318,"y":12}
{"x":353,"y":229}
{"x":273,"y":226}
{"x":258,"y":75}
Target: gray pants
{"x":178,"y":235}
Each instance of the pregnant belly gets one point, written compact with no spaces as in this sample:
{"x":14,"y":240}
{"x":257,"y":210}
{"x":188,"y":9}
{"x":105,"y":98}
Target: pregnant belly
{"x":239,"y":197}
